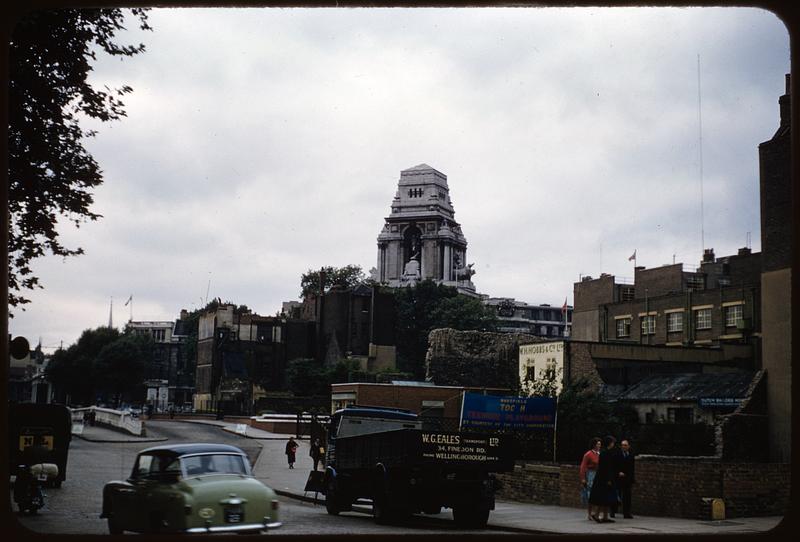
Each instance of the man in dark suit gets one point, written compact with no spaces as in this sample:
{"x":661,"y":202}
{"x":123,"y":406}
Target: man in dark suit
{"x":625,"y":478}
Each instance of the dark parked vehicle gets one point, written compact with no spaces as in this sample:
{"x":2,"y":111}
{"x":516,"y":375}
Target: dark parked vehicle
{"x":28,"y":492}
{"x":39,"y":433}
{"x":383,"y":454}
{"x":190,"y":488}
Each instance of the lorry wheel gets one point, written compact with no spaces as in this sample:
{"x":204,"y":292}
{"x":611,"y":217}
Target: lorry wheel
{"x":380,"y":509}
{"x":331,"y":504}
{"x":471,"y":517}
{"x":113,"y":526}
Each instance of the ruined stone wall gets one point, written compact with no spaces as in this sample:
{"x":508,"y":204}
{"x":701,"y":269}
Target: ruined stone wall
{"x":581,"y":364}
{"x":475,"y":358}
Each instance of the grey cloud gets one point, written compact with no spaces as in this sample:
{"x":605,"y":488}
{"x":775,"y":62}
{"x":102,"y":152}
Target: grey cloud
{"x":261,"y":144}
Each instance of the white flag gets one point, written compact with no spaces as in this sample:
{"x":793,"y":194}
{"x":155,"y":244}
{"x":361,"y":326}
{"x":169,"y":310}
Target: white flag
{"x":129,"y":300}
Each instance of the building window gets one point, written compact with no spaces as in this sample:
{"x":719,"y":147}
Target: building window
{"x":530,"y":374}
{"x":550,"y":370}
{"x":648,"y":324}
{"x":680,"y":415}
{"x":733,"y":315}
{"x":627,"y":293}
{"x":695,"y":282}
{"x":674,"y":322}
{"x":623,"y":327}
{"x":702,"y":319}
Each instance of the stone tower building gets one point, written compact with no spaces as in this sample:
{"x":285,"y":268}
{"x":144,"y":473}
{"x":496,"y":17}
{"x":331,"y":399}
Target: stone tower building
{"x":420,"y":239}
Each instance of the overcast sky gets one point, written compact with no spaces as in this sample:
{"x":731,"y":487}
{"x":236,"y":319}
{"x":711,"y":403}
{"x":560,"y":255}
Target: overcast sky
{"x":261,"y":143}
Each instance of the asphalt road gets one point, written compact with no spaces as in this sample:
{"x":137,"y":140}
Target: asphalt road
{"x":75,"y":507}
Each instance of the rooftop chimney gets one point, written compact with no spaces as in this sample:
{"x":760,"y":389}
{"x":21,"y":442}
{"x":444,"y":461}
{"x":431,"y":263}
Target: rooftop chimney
{"x":708,"y":255}
{"x":785,"y":102}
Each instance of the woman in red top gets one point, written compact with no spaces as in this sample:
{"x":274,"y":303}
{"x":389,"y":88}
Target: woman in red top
{"x":588,"y":469}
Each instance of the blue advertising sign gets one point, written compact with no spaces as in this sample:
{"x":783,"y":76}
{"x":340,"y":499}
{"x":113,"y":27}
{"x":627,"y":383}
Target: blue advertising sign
{"x":719,"y":402}
{"x":489,"y":412}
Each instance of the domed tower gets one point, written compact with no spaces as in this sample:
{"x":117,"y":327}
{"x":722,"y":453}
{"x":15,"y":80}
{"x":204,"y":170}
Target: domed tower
{"x":420,"y":239}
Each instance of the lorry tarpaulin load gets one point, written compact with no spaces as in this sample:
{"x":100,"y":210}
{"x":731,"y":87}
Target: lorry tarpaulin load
{"x":383,"y":454}
{"x":39,"y":433}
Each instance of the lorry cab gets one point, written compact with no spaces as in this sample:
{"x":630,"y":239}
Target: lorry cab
{"x":361,"y":420}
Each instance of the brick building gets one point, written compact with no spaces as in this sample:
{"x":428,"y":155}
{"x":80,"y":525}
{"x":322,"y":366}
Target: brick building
{"x":613,"y":368}
{"x":541,"y":320}
{"x":241,"y":356}
{"x":423,"y":398}
{"x":169,"y":366}
{"x":356,"y":322}
{"x":688,"y":398}
{"x":672,"y":305}
{"x":777,"y":242}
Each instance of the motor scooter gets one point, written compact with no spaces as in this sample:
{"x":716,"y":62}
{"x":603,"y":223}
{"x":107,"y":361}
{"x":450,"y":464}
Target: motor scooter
{"x":28,"y":493}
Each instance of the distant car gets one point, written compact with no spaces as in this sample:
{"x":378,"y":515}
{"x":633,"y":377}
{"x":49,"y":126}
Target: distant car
{"x":190,"y":488}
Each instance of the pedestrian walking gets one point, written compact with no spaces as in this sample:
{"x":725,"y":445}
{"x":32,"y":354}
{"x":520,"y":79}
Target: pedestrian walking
{"x":625,"y":479}
{"x":291,"y":452}
{"x":604,"y":491}
{"x":317,"y":452}
{"x":588,"y":470}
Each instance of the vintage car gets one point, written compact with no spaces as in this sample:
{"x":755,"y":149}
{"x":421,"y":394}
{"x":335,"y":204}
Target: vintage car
{"x":190,"y":488}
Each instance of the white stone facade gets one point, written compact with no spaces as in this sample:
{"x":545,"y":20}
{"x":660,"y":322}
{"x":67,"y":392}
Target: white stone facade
{"x":420,"y":239}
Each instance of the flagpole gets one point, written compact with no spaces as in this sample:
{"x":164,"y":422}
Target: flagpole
{"x":130,"y":302}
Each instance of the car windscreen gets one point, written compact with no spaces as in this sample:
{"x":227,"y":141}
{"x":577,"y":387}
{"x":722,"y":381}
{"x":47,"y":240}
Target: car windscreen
{"x":157,"y":467}
{"x":214,"y":464}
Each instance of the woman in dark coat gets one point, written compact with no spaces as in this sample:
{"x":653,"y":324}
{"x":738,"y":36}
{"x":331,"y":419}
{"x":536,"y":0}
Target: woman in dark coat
{"x":291,"y":451}
{"x":604,"y":491}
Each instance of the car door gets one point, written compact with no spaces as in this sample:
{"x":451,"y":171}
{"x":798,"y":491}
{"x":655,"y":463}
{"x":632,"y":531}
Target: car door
{"x":130,"y":500}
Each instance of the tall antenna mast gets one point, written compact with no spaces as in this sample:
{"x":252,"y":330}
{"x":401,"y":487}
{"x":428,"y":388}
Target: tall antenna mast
{"x":700,"y":132}
{"x":110,"y":312}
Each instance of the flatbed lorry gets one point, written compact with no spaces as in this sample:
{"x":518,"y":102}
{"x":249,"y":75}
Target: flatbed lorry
{"x":384,"y":455}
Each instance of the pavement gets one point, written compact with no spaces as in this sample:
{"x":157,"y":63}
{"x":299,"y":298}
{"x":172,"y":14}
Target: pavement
{"x":272,"y":469}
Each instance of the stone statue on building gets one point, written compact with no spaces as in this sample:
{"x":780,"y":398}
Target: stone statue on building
{"x":465,"y":273}
{"x":411,"y":269}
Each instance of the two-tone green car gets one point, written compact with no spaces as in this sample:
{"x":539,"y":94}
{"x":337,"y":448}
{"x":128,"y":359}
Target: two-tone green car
{"x":190,"y":488}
